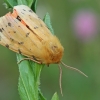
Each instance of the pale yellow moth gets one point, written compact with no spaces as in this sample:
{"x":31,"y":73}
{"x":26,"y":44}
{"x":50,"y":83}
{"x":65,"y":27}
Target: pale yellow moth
{"x":24,"y":32}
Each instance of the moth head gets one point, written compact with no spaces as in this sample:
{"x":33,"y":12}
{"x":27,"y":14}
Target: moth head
{"x":55,"y":50}
{"x":57,"y":53}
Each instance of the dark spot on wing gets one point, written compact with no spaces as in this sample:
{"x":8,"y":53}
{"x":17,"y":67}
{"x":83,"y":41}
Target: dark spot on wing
{"x":14,"y":31}
{"x":30,"y":11}
{"x":27,"y":26}
{"x":0,"y":30}
{"x":20,"y":42}
{"x":9,"y":24}
{"x":18,"y":18}
{"x":27,"y":34}
{"x":7,"y":45}
{"x":11,"y":39}
{"x":35,"y":27}
{"x":24,"y":10}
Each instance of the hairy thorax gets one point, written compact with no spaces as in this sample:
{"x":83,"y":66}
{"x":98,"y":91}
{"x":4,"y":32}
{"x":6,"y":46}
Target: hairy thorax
{"x":53,"y":51}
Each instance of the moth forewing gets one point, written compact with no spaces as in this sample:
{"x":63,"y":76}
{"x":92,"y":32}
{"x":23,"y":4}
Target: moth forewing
{"x":34,"y":22}
{"x":11,"y":32}
{"x":13,"y":38}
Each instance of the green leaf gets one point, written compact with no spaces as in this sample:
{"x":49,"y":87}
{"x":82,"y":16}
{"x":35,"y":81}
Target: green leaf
{"x":48,"y":22}
{"x":25,"y":2}
{"x":22,"y":2}
{"x":29,"y":79}
{"x":41,"y":97}
{"x":12,"y":3}
{"x":34,"y":5}
{"x":55,"y":97}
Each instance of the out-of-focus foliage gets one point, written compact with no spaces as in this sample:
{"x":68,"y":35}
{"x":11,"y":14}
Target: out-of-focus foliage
{"x":76,"y":24}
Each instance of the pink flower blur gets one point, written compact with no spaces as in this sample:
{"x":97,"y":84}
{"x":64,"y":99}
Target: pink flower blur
{"x":85,"y":24}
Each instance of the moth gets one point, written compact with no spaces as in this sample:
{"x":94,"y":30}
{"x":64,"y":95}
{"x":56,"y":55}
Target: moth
{"x":24,"y":32}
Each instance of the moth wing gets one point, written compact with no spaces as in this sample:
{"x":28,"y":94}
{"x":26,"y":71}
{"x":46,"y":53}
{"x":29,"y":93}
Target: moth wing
{"x":33,"y":21}
{"x":13,"y":34}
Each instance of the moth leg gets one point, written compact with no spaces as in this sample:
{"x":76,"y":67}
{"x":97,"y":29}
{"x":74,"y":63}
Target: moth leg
{"x":28,"y":59}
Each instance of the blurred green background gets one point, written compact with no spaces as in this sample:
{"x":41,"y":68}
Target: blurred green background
{"x":76,"y":23}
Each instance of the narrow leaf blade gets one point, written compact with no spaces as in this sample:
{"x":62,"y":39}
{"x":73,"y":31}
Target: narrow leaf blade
{"x":55,"y":97}
{"x":34,"y":5}
{"x":28,"y":87}
{"x":48,"y":22}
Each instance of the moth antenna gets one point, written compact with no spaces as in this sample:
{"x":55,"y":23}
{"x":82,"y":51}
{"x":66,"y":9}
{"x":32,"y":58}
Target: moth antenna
{"x":60,"y":79}
{"x":72,"y":68}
